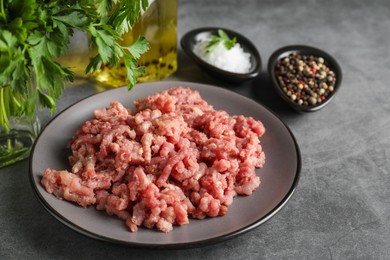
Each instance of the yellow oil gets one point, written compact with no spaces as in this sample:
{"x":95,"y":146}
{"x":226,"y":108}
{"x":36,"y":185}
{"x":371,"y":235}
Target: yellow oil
{"x":159,"y":25}
{"x":77,"y":57}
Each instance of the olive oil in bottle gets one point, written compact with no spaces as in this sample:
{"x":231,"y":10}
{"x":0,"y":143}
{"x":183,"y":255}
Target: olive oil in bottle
{"x":159,"y":25}
{"x":77,"y":57}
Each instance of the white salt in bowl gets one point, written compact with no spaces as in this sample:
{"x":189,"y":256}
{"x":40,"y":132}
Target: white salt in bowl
{"x":189,"y":43}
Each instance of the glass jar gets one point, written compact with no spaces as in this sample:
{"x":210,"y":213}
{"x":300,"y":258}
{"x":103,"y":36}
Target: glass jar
{"x":159,"y":26}
{"x":17,"y":139}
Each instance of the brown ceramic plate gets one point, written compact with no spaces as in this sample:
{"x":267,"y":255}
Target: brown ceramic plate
{"x":279,"y":176}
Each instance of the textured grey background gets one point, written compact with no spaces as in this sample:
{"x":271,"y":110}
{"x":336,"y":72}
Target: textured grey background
{"x":341,"y":207}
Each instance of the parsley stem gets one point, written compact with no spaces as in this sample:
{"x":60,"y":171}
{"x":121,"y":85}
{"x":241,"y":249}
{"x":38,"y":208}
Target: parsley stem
{"x":2,"y":12}
{"x":4,"y":112}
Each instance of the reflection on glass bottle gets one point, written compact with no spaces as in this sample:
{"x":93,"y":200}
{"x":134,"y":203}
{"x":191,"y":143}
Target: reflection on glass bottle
{"x":158,"y":24}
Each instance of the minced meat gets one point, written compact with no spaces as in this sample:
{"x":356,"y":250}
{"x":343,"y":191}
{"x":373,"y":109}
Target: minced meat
{"x":172,"y":159}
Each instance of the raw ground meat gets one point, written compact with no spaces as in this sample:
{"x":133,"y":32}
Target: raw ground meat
{"x":173,"y":159}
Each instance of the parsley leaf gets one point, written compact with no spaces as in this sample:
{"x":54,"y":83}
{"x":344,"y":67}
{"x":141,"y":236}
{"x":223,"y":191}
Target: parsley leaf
{"x":73,"y":17}
{"x":214,"y":40}
{"x":139,"y":47}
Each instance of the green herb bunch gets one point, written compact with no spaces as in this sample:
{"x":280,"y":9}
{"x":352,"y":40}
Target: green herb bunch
{"x":33,"y":33}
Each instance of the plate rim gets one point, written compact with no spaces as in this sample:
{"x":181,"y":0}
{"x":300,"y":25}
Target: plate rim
{"x":194,"y":244}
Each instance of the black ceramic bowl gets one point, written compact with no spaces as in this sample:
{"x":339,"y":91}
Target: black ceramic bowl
{"x":189,"y":40}
{"x":329,"y":61}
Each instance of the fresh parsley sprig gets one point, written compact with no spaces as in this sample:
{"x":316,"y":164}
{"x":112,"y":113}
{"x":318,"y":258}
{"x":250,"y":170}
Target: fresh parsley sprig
{"x":33,"y":33}
{"x":214,"y":41}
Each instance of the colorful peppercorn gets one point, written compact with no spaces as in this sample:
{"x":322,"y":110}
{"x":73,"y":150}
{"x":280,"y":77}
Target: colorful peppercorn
{"x":305,"y":79}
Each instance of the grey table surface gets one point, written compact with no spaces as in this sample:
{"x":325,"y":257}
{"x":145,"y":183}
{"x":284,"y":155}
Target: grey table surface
{"x":341,"y":207}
